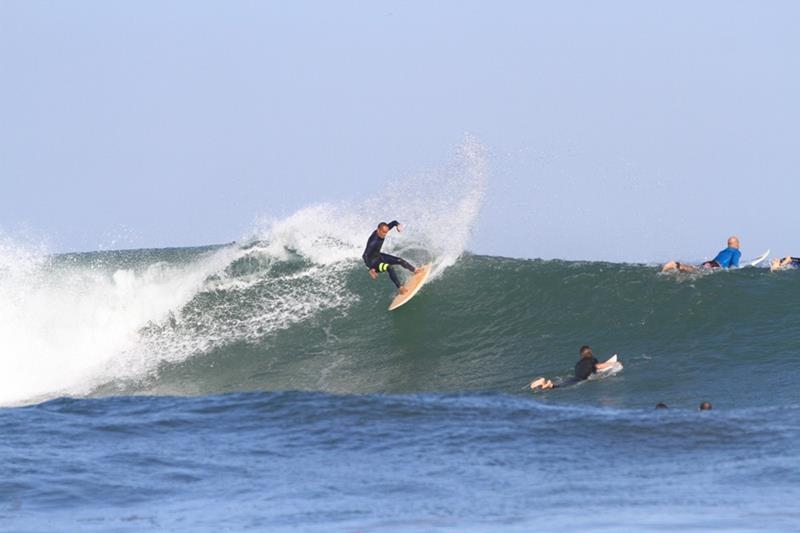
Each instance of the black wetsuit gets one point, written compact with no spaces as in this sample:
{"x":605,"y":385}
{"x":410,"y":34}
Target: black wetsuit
{"x":381,"y":262}
{"x":585,"y":368}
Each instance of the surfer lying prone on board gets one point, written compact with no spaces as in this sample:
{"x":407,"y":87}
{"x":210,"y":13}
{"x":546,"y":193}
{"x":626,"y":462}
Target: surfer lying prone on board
{"x":380,"y":262}
{"x":729,"y":257}
{"x":785,"y":263}
{"x":585,"y":367}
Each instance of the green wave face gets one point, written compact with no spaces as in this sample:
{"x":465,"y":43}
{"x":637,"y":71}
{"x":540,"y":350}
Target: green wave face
{"x":484,"y":324}
{"x":233,"y":318}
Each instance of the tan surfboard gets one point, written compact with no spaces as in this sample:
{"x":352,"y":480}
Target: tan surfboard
{"x":413,"y":285}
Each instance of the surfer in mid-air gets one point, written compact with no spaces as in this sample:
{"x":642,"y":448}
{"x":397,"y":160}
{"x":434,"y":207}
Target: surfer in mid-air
{"x":585,"y":367}
{"x":377,"y":261}
{"x":729,"y":257}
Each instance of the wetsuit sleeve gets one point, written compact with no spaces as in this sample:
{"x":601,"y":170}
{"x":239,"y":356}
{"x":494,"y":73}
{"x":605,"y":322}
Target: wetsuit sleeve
{"x":722,"y":258}
{"x":585,"y":368}
{"x":735,"y":259}
{"x":393,"y":223}
{"x":729,"y":257}
{"x":372,"y":248}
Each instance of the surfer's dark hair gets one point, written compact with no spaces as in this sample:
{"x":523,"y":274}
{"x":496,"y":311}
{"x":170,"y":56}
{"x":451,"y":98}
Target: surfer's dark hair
{"x":584,"y":349}
{"x":382,"y":224}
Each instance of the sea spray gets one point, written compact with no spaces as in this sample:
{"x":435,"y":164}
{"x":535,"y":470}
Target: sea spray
{"x":67,"y":321}
{"x":113,"y":321}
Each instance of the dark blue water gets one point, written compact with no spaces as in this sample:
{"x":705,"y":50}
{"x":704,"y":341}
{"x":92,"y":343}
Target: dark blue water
{"x":312,"y":461}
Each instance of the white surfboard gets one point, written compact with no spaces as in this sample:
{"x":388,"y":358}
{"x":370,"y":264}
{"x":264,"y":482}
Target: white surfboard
{"x":759,"y":259}
{"x":609,"y":371}
{"x":414,"y":284}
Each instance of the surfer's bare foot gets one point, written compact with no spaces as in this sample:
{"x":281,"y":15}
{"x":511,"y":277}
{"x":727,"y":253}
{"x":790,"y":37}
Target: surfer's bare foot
{"x":541,"y":383}
{"x":778,"y":263}
{"x":672,"y":265}
{"x":402,"y":290}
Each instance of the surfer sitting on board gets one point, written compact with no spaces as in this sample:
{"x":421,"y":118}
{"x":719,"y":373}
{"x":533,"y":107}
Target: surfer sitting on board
{"x":786,"y":262}
{"x":380,"y":262}
{"x":729,"y":257}
{"x":585,"y":367}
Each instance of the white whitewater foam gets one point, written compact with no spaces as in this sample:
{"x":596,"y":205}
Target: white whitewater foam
{"x":61,"y":327}
{"x":68,"y":328}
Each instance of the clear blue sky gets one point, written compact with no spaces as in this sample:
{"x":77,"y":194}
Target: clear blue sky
{"x":638,"y":131}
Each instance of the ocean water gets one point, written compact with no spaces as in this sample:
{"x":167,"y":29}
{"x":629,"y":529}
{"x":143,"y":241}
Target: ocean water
{"x":235,"y":388}
{"x":262,"y":385}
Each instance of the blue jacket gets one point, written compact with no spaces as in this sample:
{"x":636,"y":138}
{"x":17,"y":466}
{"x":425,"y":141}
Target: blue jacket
{"x":729,"y":257}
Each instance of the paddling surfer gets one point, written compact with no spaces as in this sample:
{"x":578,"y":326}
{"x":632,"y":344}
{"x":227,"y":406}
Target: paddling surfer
{"x":585,"y":367}
{"x":729,"y":257}
{"x":377,"y":261}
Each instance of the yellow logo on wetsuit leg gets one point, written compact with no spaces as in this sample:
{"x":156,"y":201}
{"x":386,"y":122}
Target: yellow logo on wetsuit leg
{"x":382,"y":267}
